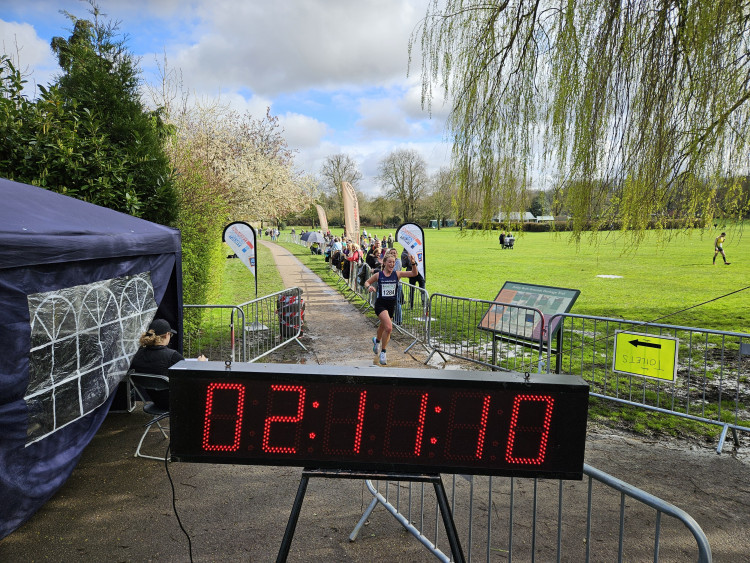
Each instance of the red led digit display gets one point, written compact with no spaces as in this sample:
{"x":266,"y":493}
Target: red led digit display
{"x":344,"y":421}
{"x":536,"y":426}
{"x":284,"y":398}
{"x":405,"y":424}
{"x":222,"y":418}
{"x":475,"y":408}
{"x":379,"y":419}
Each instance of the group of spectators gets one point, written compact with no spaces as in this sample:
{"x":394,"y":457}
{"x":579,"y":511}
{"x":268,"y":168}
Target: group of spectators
{"x":271,"y":232}
{"x":350,"y":257}
{"x":507,"y":240}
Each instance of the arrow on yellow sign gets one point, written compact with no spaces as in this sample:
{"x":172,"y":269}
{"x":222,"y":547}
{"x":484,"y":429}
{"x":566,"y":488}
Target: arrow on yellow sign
{"x":637,"y":343}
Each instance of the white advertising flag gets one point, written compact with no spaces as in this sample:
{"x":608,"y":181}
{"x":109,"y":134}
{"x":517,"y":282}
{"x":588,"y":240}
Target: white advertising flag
{"x":322,"y":219}
{"x":351,"y":211}
{"x":411,"y":237}
{"x":241,"y":238}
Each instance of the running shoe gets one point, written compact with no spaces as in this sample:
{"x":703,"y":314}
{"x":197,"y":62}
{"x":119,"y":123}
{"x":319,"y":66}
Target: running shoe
{"x":374,"y":345}
{"x":727,"y":263}
{"x":382,"y":359}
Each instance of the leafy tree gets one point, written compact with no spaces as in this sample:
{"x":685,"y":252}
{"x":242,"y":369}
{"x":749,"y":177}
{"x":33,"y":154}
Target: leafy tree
{"x":641,"y":105}
{"x":249,"y":156}
{"x":539,"y":204}
{"x":379,"y":208}
{"x":101,"y":79}
{"x":439,"y":202}
{"x":403,"y":174}
{"x":336,"y":169}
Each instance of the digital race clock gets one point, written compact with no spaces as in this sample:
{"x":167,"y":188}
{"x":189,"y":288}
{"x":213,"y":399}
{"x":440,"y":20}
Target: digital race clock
{"x":379,"y":419}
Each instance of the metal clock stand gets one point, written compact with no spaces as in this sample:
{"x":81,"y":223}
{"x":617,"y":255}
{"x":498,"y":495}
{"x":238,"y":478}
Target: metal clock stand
{"x":442,"y":500}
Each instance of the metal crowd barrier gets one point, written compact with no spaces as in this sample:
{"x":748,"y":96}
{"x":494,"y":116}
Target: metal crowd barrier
{"x":272,"y":321}
{"x":712,"y":370}
{"x":505,"y":518}
{"x":214,"y":331}
{"x":245,"y":332}
{"x":495,"y":335}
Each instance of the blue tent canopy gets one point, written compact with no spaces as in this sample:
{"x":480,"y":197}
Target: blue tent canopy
{"x":79,"y":284}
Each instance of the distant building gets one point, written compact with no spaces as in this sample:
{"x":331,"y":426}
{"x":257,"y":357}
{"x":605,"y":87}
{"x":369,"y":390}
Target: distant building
{"x":545,"y":218}
{"x":514,"y":217}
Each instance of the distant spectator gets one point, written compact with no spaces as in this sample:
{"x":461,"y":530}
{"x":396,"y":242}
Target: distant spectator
{"x":352,"y":257}
{"x":373,"y":258}
{"x":390,"y":241}
{"x":414,"y":281}
{"x":405,"y":262}
{"x":502,"y":239}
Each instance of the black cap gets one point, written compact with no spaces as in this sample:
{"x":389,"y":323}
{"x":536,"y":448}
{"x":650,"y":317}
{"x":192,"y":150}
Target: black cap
{"x":160,"y":326}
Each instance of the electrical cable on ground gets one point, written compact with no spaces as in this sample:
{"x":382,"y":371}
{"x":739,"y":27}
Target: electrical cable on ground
{"x":174,"y":502}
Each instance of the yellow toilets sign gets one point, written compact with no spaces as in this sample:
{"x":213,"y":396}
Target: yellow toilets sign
{"x":645,"y":355}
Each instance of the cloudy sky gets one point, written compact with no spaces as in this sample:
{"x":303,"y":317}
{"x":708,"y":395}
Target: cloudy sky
{"x":333,"y":71}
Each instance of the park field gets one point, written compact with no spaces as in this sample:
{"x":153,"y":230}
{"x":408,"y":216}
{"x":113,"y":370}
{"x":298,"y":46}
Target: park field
{"x":672,"y":280}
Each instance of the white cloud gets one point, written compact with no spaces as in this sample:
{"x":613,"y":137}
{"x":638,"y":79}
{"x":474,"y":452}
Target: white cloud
{"x":382,"y":117}
{"x":275,"y":47}
{"x":28,"y":52}
{"x":301,"y":131}
{"x":411,"y":104}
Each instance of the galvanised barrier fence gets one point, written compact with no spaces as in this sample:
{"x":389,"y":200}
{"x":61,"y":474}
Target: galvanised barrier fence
{"x":712,"y":382}
{"x":272,"y":321}
{"x":215,"y":331}
{"x":502,"y":518}
{"x":244,"y":332}
{"x":495,"y":335}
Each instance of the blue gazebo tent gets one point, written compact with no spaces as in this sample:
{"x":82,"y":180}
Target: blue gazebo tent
{"x":78,"y":284}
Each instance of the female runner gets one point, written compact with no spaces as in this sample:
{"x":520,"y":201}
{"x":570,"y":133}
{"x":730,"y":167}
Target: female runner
{"x":385,"y":301}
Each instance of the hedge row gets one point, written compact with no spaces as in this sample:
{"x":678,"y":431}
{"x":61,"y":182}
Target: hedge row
{"x":560,"y":226}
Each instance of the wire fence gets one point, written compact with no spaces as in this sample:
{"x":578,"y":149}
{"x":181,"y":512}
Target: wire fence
{"x":711,"y":376}
{"x":495,"y":335}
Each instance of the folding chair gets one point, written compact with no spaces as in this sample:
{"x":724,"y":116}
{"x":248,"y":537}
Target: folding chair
{"x":153,"y":390}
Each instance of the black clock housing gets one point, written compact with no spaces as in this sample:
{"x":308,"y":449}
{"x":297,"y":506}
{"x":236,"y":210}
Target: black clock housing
{"x":379,"y":419}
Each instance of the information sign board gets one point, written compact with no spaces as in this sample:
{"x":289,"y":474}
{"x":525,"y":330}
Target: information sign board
{"x":645,"y":355}
{"x":521,"y":322}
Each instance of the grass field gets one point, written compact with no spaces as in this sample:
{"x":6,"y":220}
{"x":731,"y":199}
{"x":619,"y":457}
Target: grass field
{"x":658,"y":280}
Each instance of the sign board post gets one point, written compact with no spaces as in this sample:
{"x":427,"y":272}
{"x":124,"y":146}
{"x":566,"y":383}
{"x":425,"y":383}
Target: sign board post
{"x":645,"y":355}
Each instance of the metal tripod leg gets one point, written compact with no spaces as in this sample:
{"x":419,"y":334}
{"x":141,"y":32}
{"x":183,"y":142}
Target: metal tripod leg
{"x":291,"y":525}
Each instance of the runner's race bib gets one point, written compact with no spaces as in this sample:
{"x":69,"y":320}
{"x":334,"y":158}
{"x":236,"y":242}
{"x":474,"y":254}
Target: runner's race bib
{"x":388,"y":290}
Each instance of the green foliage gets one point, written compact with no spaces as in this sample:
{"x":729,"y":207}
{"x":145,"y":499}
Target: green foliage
{"x":88,"y":136}
{"x":641,"y":106}
{"x":203,"y":214}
